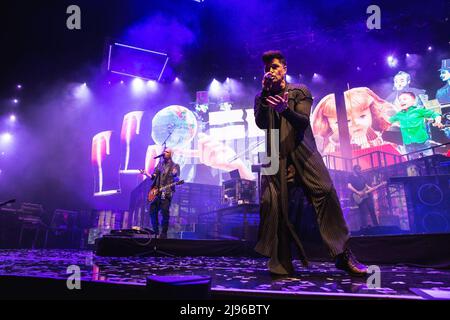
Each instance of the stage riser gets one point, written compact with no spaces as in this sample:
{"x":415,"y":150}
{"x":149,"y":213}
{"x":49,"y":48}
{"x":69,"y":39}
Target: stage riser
{"x":426,"y":250}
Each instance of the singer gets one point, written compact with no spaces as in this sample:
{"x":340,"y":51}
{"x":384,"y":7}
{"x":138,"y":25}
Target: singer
{"x":164,"y":174}
{"x":287,"y":107}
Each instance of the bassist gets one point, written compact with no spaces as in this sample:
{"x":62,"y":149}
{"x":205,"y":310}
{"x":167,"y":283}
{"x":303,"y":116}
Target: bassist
{"x":361,"y":189}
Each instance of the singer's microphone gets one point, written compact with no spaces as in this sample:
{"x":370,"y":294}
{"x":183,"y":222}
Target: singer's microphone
{"x":268,"y":76}
{"x":159,"y":156}
{"x":268,"y":80}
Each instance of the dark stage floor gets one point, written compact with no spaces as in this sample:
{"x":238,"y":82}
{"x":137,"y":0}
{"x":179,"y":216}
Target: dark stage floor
{"x":231,"y":277}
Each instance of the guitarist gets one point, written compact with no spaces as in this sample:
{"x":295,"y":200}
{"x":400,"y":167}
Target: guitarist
{"x":165,"y":173}
{"x":358,"y":185}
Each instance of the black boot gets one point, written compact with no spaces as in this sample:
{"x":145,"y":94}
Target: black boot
{"x":278,"y":268}
{"x":347,"y":262}
{"x":163,"y":234}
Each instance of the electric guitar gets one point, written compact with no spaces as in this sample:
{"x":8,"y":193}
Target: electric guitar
{"x":155,"y":191}
{"x":360,"y":198}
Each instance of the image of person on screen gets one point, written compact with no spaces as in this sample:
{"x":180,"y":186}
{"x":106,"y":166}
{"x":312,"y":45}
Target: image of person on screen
{"x":286,"y":107}
{"x":412,"y":124}
{"x":367,"y":119}
{"x":443,"y":94}
{"x":401,"y":83}
{"x":215,"y":154}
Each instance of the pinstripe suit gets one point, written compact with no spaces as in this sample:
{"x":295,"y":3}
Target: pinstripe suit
{"x":298,"y":147}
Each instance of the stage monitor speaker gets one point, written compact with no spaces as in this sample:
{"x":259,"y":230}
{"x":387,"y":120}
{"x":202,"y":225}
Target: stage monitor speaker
{"x":429,"y":197}
{"x":177,"y":287}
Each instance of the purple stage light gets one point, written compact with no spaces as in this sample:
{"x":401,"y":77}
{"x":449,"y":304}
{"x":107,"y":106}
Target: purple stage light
{"x":413,"y":60}
{"x":177,"y":80}
{"x":6,"y":137}
{"x":152,"y":85}
{"x":121,"y":82}
{"x":19,"y":86}
{"x":288,"y":78}
{"x":137,"y":86}
{"x":430,"y":48}
{"x":12,"y":118}
{"x":16,"y":101}
{"x":317,"y":78}
{"x":392,"y":61}
{"x":215,"y":87}
{"x":82,"y":92}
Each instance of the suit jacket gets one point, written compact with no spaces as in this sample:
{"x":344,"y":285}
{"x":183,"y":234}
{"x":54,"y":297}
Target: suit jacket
{"x":163,"y":176}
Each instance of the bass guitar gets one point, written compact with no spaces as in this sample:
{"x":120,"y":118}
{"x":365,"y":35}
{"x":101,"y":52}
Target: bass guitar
{"x":365,"y":193}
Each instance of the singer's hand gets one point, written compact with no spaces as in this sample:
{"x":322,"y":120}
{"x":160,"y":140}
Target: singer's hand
{"x":267,"y":81}
{"x":279,"y":103}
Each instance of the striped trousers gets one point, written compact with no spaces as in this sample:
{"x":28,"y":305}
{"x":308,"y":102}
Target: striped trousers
{"x":275,"y":236}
